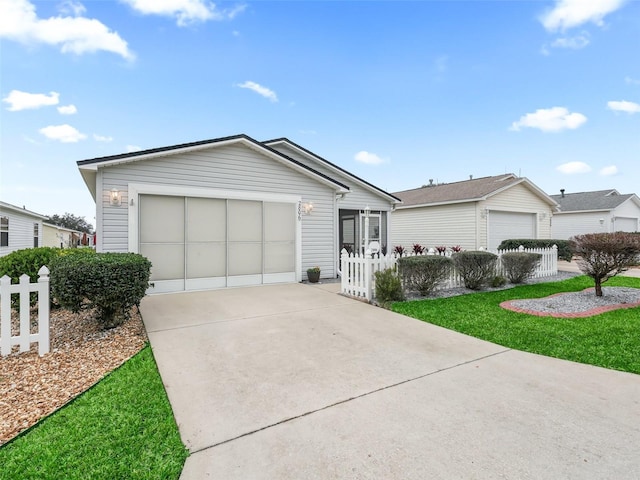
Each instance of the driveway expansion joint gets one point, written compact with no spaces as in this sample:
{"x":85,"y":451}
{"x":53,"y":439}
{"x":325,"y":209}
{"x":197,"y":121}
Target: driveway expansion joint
{"x":366,"y":394}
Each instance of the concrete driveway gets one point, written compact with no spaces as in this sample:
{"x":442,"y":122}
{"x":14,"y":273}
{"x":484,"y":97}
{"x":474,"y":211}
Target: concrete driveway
{"x":297,"y":382}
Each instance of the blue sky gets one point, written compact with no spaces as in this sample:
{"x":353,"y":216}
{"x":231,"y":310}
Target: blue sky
{"x":396,"y":92}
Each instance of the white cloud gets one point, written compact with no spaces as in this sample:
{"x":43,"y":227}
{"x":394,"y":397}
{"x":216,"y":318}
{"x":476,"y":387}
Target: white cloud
{"x":568,"y":14}
{"x":67,"y":110}
{"x":62,"y":133}
{"x":608,"y":171}
{"x":574,"y":43}
{"x":631,"y":81}
{"x":102,"y":138}
{"x":186,"y":12}
{"x":132,"y":148}
{"x":553,"y":119}
{"x":260,"y":90}
{"x":74,"y":34}
{"x":70,"y":7}
{"x":18,"y":100}
{"x":624,"y":106}
{"x":368,"y":158}
{"x":573,"y":167}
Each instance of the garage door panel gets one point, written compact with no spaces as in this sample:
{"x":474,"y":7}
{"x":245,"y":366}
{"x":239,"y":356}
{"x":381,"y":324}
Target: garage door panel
{"x":206,"y":260}
{"x":506,"y":225}
{"x":245,"y":258}
{"x":167,"y":261}
{"x":279,"y":222}
{"x":162,"y":219}
{"x":245,"y":221}
{"x":206,"y":220}
{"x":279,"y":257}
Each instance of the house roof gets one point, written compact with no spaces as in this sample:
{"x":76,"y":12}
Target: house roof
{"x":591,"y":201}
{"x":472,"y":190}
{"x":22,"y":210}
{"x":334,"y":167}
{"x":88,"y":168}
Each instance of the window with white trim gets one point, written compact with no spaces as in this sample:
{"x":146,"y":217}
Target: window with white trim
{"x":35,"y":235}
{"x":4,"y":232}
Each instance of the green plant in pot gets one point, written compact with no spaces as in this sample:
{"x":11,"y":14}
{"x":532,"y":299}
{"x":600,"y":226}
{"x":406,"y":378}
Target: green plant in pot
{"x":313,"y":274}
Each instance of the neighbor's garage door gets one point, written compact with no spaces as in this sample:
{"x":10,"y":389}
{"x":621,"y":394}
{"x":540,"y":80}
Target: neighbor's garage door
{"x":626,"y":224}
{"x":506,"y":225}
{"x":200,"y":243}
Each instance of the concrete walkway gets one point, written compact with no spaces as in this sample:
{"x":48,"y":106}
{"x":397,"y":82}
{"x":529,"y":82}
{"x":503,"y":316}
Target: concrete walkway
{"x":297,"y":382}
{"x":572,"y":266}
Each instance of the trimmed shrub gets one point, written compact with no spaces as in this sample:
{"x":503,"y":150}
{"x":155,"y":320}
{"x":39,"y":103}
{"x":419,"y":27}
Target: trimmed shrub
{"x":110,"y":282}
{"x":564,"y":249}
{"x":518,"y":266}
{"x":498,"y":281}
{"x":423,"y":273}
{"x":477,"y":268}
{"x":388,"y":286}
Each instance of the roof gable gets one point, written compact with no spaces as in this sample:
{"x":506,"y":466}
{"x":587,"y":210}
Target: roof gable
{"x":590,"y":201}
{"x":88,"y":168}
{"x":472,"y":190}
{"x":9,"y":208}
{"x":341,"y":172}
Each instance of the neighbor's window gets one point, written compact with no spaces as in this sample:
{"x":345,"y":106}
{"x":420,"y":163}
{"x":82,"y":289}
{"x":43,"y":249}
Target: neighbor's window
{"x":4,"y":232}
{"x":35,"y":235}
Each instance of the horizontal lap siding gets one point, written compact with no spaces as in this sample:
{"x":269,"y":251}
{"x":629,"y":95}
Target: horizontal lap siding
{"x":447,"y":225}
{"x":566,"y":225}
{"x":20,"y":231}
{"x":235,"y":168}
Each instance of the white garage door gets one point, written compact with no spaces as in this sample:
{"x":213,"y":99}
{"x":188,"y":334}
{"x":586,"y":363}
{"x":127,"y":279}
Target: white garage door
{"x":200,"y":243}
{"x":506,"y":225}
{"x":626,"y":224}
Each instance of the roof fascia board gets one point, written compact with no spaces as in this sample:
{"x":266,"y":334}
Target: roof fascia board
{"x":331,"y":166}
{"x":562,"y":212}
{"x":438,"y":204}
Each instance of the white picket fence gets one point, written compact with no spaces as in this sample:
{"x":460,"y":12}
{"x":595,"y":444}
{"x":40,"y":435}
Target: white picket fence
{"x":358,"y":271}
{"x":25,"y":338}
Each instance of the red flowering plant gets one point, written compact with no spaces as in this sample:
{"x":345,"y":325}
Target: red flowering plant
{"x":456,"y":249}
{"x":441,"y":249}
{"x":399,"y":250}
{"x":418,"y":249}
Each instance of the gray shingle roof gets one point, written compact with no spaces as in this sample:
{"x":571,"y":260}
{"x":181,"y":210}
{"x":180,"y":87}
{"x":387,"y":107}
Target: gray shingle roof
{"x":587,"y":201}
{"x":467,"y":190}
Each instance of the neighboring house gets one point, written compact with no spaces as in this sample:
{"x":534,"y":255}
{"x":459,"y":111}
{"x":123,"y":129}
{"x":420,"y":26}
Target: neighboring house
{"x":231,"y":211}
{"x":595,"y":212}
{"x":19,"y":228}
{"x":62,"y":237}
{"x":476,"y":213}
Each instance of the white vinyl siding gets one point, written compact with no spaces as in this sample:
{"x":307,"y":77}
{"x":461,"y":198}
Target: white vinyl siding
{"x":566,"y":225}
{"x":21,"y":231}
{"x":231,"y":167}
{"x":447,"y":225}
{"x":623,"y":224}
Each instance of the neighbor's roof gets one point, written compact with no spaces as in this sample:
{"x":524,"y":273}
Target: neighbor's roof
{"x":12,"y":208}
{"x":590,"y":201}
{"x":89,"y":167}
{"x":466,"y":191}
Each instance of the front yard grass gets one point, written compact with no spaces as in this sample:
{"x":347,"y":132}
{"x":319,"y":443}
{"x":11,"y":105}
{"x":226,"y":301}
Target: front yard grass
{"x":123,"y":427}
{"x":609,"y":340}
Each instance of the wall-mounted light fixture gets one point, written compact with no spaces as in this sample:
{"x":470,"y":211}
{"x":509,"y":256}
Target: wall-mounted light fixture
{"x":307,"y":207}
{"x":115,"y":197}
{"x":542,"y":215}
{"x":484,"y":212}
{"x":602,"y":221}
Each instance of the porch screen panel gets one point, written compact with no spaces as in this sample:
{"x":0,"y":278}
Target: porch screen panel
{"x":244,"y":237}
{"x":279,"y":237}
{"x":206,"y":237}
{"x":162,"y":235}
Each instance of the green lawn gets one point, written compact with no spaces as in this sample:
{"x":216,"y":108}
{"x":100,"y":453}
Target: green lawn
{"x":610,"y":340}
{"x":122,"y":428}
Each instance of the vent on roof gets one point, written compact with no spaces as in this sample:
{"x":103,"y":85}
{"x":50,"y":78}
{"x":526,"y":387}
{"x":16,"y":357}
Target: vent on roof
{"x":562,"y":192}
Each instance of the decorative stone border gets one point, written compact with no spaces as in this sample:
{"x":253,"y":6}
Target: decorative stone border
{"x":507,"y":305}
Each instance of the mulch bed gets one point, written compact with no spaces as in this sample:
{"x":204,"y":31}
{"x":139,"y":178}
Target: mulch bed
{"x":81,"y":353}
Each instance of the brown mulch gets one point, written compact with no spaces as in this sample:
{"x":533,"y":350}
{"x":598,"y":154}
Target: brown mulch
{"x":81,"y":353}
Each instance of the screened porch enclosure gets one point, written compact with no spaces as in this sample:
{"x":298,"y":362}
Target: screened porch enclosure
{"x":352,"y":230}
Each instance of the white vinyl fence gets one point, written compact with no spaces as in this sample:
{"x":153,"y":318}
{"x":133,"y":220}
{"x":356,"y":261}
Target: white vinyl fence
{"x":358,"y":271}
{"x":24,"y":289}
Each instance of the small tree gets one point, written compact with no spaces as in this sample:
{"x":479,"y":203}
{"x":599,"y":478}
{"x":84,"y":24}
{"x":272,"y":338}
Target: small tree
{"x":605,"y":255}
